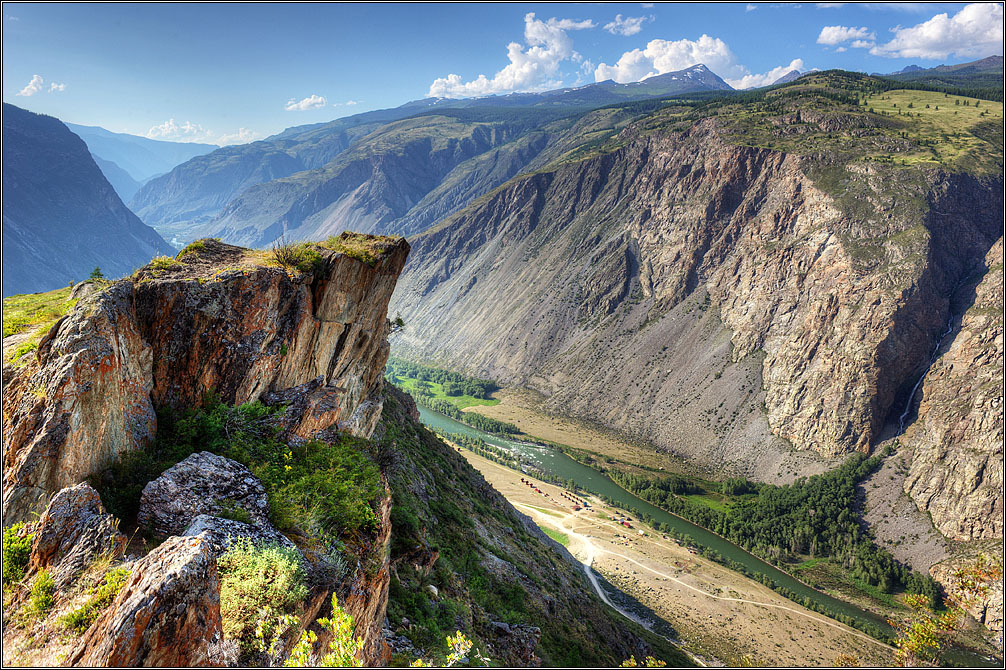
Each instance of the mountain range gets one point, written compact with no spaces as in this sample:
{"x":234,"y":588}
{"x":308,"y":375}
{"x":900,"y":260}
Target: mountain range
{"x":61,"y":217}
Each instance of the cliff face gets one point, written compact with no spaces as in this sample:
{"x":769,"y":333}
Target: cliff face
{"x":215,"y":320}
{"x":61,"y":217}
{"x":588,"y":282}
{"x":957,"y":470}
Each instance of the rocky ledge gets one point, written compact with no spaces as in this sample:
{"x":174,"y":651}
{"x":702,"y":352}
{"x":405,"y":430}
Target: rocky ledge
{"x":217,"y":318}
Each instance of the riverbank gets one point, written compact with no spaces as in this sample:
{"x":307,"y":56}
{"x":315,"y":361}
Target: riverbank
{"x":718,"y":612}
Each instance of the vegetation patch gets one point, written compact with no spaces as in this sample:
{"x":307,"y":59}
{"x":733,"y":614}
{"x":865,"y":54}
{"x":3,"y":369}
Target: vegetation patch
{"x":366,"y":248}
{"x":34,"y":311}
{"x":259,"y":585}
{"x":561,"y":538}
{"x":192,"y":248}
{"x":325,"y":490}
{"x":460,"y":390}
{"x":42,"y":596}
{"x":80,"y":619}
{"x":16,"y":551}
{"x":301,"y":256}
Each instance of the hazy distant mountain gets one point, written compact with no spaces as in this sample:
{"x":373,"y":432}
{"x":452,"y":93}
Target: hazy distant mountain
{"x":197,"y":191}
{"x":792,"y":75}
{"x":140,"y":157}
{"x":121,"y":181}
{"x":61,"y":217}
{"x":987,"y":72}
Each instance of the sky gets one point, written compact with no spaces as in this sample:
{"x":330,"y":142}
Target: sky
{"x":234,"y":73}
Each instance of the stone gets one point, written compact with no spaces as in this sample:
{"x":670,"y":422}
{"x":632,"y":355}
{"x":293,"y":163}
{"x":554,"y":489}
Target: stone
{"x":200,"y":484}
{"x":167,"y":613}
{"x":221,"y":533}
{"x":72,"y":533}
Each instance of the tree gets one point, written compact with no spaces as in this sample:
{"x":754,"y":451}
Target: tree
{"x":96,"y":273}
{"x":397,"y":324}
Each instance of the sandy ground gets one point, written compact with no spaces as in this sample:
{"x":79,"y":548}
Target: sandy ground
{"x":717,"y":612}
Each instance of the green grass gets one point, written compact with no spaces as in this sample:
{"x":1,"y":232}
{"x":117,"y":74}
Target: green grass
{"x":80,"y":619}
{"x":711,"y":500}
{"x":546,"y":511}
{"x":34,"y":311}
{"x":42,"y":596}
{"x":366,"y":248}
{"x":16,"y":551}
{"x":561,"y":538}
{"x":437,"y":390}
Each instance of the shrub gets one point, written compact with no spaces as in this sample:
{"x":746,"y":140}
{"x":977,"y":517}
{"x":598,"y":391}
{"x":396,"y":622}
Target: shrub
{"x":303,"y":256}
{"x":342,"y":649}
{"x":41,"y":598}
{"x":192,"y":248}
{"x":258,"y":586}
{"x":16,"y":551}
{"x":80,"y":619}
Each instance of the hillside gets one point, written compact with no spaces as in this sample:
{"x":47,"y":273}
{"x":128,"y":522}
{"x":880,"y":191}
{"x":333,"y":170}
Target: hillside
{"x":301,"y":170}
{"x":758,"y":304}
{"x":987,"y":72}
{"x":61,"y":217}
{"x":228,"y":398}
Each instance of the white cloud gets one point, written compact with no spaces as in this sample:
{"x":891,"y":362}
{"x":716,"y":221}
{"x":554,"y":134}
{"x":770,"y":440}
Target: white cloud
{"x":832,"y":35}
{"x":750,"y":7}
{"x":973,"y":32}
{"x":840,"y":50}
{"x":533,"y":68}
{"x":242,"y":136}
{"x":766,"y":78}
{"x":862,"y":44}
{"x":175,"y":132}
{"x":662,"y":56}
{"x":54,"y":87}
{"x":310,"y":102}
{"x":647,"y":5}
{"x":33,"y":87}
{"x":348,"y":103}
{"x":626,"y":26}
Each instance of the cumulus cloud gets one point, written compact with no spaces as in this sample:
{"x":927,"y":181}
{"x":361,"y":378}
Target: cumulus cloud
{"x":973,"y":32}
{"x":766,"y":78}
{"x":310,"y":102}
{"x":832,"y":35}
{"x":626,"y":26}
{"x":33,"y":87}
{"x":178,"y":132}
{"x":532,"y":67}
{"x":242,"y":136}
{"x":54,"y":87}
{"x":661,"y":56}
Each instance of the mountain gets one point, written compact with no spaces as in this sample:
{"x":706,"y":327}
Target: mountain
{"x":61,"y":217}
{"x":221,"y":185}
{"x":271,"y":407}
{"x":141,"y":157}
{"x":792,"y":75}
{"x":120,"y":180}
{"x":984,"y":73}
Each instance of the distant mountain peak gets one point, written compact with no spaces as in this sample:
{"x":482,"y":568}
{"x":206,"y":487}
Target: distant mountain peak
{"x":792,"y":75}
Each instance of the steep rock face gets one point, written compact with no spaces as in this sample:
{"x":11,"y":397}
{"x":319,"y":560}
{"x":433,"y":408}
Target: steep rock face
{"x":61,"y":217}
{"x":167,"y":614}
{"x":73,"y":531}
{"x":957,"y":470}
{"x":217,"y":320}
{"x":588,"y":284}
{"x":989,"y":610}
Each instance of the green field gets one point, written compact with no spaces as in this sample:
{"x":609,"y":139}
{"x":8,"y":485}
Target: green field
{"x":561,"y":538}
{"x":437,"y":390}
{"x":33,"y":312}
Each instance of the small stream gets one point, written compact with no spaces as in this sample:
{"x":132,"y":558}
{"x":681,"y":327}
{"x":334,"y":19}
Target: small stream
{"x":932,"y":359}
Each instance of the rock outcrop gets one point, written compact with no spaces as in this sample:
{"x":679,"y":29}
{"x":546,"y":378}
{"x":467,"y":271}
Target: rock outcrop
{"x":202,"y":484}
{"x":708,"y":297}
{"x":73,"y":532}
{"x":989,"y":610}
{"x":217,"y":319}
{"x":957,"y":469}
{"x":221,"y":533}
{"x":167,"y":614}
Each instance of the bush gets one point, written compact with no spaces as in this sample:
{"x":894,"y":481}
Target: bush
{"x":342,"y":646}
{"x":16,"y":551}
{"x":302,"y":256}
{"x":40,"y":600}
{"x":80,"y":619}
{"x":258,"y":586}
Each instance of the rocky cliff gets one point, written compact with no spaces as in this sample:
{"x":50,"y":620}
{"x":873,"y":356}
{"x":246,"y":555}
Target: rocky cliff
{"x":722,"y":301}
{"x":61,"y":217}
{"x":218,"y":319}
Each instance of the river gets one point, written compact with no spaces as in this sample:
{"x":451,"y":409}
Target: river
{"x":559,"y":464}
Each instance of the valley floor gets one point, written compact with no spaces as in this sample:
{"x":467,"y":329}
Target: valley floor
{"x":718,"y":613}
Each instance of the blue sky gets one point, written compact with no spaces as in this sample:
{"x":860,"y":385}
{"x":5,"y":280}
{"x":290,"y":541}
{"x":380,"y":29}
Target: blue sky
{"x":226,"y":73}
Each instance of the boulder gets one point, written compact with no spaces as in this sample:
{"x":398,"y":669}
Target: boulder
{"x":513,"y":644}
{"x":73,"y":531}
{"x":221,"y":533}
{"x":167,"y":613}
{"x":199,"y":485}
